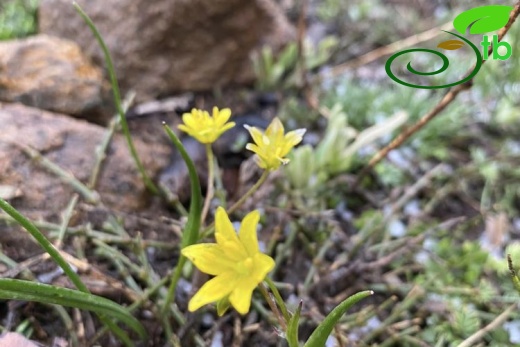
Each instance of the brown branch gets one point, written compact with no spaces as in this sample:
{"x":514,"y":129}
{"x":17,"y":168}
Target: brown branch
{"x":498,"y":321}
{"x":446,"y":101}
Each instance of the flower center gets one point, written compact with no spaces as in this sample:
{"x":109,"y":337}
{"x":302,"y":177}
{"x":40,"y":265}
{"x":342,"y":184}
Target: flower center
{"x":245,"y":266}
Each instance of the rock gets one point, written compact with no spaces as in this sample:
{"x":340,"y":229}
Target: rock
{"x":15,"y":339}
{"x":50,"y":73}
{"x":168,"y":46}
{"x":71,"y":144}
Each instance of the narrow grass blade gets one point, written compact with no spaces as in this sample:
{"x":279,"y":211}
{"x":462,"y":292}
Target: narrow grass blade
{"x":117,"y":99}
{"x":44,"y":243}
{"x":321,"y":333}
{"x":57,"y":257}
{"x":12,"y":289}
{"x":191,"y":231}
{"x":292,"y":327}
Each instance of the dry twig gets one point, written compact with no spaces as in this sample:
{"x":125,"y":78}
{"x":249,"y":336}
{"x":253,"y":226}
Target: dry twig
{"x":470,"y":341}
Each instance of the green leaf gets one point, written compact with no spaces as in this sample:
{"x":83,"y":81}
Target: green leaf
{"x":190,"y":234}
{"x":292,"y":327}
{"x":12,"y":289}
{"x":451,"y":45}
{"x":482,"y":19}
{"x":56,"y":256}
{"x":117,"y":99}
{"x":321,"y":333}
{"x":191,"y":231}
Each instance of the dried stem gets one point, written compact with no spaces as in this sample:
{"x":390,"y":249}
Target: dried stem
{"x":473,"y":339}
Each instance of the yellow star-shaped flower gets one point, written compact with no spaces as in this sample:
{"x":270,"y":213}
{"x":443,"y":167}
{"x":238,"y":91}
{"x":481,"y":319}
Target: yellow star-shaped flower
{"x":205,"y":128}
{"x":235,"y":261}
{"x":272,"y":146}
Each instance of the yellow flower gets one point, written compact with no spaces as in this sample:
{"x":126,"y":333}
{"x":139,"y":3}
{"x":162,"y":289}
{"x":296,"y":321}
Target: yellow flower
{"x":235,"y":261}
{"x":206,"y":128}
{"x":272,"y":146}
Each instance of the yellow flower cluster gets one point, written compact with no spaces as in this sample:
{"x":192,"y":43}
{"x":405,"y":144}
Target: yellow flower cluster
{"x":270,"y":146}
{"x":205,"y":128}
{"x":234,"y":260}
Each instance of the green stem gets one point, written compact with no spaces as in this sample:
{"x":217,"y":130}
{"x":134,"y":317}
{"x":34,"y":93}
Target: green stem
{"x":209,"y":230}
{"x":210,"y":188}
{"x":250,"y":192}
{"x":273,"y":306}
{"x":173,"y":284}
{"x":278,"y":299}
{"x":101,"y":149}
{"x":117,"y":100}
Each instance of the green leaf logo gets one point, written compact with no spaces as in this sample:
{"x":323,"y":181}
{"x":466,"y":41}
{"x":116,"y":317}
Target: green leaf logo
{"x":482,"y":19}
{"x":451,"y":45}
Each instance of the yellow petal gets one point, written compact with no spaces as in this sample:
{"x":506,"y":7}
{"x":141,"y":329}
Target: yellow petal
{"x":292,"y":138}
{"x":224,"y":230}
{"x":262,"y":265}
{"x":255,"y":134}
{"x":208,"y":258}
{"x":222,"y":116}
{"x":184,"y":128}
{"x":240,"y":297}
{"x":275,"y":130}
{"x":205,"y":117}
{"x":261,"y":163}
{"x":189,"y":120}
{"x":213,"y":290}
{"x":253,"y":148}
{"x":227,"y":237}
{"x":225,"y":128}
{"x":247,"y":232}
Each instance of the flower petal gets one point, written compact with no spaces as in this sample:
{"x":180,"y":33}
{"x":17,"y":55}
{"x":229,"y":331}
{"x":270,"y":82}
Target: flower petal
{"x":224,"y":230}
{"x":227,"y":237}
{"x":253,"y":148}
{"x":208,"y":258}
{"x":256,"y":134}
{"x":262,"y":265}
{"x":247,"y":232}
{"x":275,"y":130}
{"x":225,"y":128}
{"x":222,"y":116}
{"x":240,"y":297}
{"x":213,"y":290}
{"x":292,"y":138}
{"x":185,"y":129}
{"x":190,"y":119}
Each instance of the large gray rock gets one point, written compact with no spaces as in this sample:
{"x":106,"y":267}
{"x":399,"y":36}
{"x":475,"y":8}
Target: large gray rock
{"x":165,"y":46}
{"x":50,"y":73}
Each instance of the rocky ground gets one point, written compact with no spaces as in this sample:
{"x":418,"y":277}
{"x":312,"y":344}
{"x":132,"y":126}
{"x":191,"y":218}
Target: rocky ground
{"x":427,"y":229}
